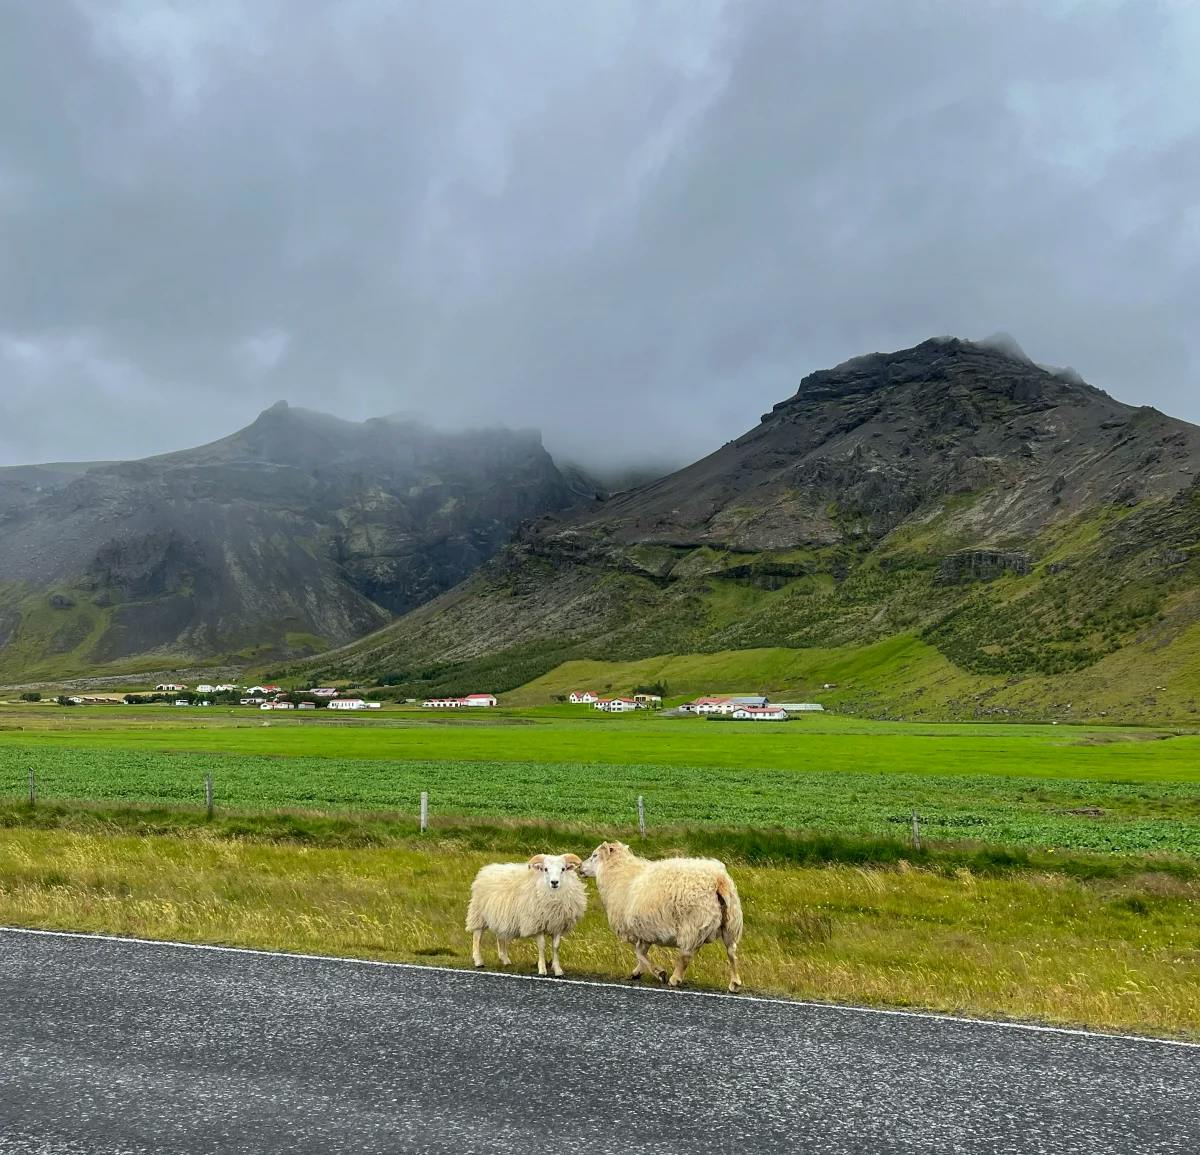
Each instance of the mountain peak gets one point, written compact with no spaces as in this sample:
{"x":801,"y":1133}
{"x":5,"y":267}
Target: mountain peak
{"x":997,"y":366}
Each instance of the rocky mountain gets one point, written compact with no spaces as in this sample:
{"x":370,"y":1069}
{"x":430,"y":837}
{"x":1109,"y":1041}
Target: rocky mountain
{"x":1019,"y":530}
{"x":296,"y":533}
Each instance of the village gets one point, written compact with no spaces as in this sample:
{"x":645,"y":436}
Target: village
{"x":728,"y":707}
{"x":725,"y":707}
{"x":268,"y":697}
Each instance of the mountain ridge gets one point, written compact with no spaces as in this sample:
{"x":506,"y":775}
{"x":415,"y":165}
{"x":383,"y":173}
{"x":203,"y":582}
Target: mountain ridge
{"x":1022,"y":523}
{"x":298,"y":531}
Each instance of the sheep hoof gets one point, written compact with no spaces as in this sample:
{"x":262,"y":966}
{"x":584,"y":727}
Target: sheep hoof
{"x":734,"y":988}
{"x":636,"y":977}
{"x":558,"y":974}
{"x":661,"y":976}
{"x":479,"y":964}
{"x":674,"y":982}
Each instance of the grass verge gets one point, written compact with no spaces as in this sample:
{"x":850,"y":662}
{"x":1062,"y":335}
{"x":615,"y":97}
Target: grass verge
{"x":1112,"y":949}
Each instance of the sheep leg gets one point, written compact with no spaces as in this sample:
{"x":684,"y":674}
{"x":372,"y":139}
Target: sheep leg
{"x":735,"y":979}
{"x":541,"y":954}
{"x":681,"y":965}
{"x":502,"y":950}
{"x":476,"y":953}
{"x":555,"y":965}
{"x":644,"y":964}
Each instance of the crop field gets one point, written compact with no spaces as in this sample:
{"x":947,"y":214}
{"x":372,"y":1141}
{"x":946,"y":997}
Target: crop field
{"x":1071,"y":788}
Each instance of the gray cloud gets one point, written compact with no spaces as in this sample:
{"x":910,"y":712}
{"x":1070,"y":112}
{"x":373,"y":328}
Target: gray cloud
{"x":633,"y":225}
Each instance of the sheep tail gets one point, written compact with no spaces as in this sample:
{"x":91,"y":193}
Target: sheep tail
{"x":731,"y":910}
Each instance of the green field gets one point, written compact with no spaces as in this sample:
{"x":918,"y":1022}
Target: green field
{"x":1048,"y":787}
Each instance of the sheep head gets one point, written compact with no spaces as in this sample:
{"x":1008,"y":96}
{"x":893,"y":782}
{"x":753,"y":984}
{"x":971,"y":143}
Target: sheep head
{"x":604,"y":853}
{"x":552,"y":867}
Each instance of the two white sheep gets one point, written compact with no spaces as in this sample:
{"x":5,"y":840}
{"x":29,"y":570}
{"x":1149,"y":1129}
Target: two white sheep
{"x":525,"y":900}
{"x":680,"y":902}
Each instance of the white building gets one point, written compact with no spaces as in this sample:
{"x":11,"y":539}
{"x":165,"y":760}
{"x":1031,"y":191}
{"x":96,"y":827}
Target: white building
{"x":622,"y":705}
{"x":324,"y":692}
{"x":352,"y":704}
{"x":760,"y":714}
{"x":168,"y":687}
{"x":471,"y":700}
{"x":800,"y":707}
{"x":582,"y":696}
{"x":712,"y":706}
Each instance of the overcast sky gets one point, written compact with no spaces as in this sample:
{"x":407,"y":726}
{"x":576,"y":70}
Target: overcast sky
{"x":634,"y":225}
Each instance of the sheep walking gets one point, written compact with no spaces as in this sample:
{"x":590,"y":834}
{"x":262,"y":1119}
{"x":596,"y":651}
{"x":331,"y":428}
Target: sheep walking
{"x":527,"y":900}
{"x":680,"y":902}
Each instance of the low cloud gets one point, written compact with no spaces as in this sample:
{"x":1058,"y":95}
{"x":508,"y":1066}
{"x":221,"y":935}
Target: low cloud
{"x":633,"y":226}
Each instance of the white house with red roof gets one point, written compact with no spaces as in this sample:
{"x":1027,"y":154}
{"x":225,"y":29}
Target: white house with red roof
{"x":582,"y":697}
{"x":723,"y":705}
{"x":759,"y":714}
{"x":470,"y":701}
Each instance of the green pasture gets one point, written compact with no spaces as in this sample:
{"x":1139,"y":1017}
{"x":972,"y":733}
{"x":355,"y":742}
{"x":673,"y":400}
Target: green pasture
{"x":578,"y":735}
{"x":1108,"y":790}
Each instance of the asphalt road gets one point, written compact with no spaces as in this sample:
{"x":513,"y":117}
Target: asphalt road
{"x":118,"y":1046}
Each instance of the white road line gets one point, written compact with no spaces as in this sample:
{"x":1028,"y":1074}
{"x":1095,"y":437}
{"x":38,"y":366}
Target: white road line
{"x":662,"y":992}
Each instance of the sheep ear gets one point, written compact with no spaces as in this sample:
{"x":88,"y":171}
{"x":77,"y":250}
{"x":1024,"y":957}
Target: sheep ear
{"x":574,"y":862}
{"x":537,"y":862}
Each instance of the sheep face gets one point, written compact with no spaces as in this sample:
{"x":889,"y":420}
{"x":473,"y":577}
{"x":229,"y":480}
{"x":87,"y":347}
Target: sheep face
{"x":603,"y":853}
{"x":553,"y":867}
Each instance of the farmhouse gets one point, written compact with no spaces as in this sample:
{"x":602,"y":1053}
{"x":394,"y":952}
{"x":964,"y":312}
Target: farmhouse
{"x":261,"y":691}
{"x":471,"y":700}
{"x":168,"y":687}
{"x":324,"y":692}
{"x":712,"y":706}
{"x":582,"y":696}
{"x":648,"y":699}
{"x":759,"y":714}
{"x":621,"y":705}
{"x":278,"y":706}
{"x":352,"y":704}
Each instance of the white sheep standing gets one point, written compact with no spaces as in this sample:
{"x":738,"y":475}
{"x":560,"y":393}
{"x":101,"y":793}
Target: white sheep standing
{"x":526,"y":900}
{"x":680,"y":902}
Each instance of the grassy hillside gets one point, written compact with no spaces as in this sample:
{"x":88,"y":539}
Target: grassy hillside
{"x":1024,"y":540}
{"x":1106,"y":623}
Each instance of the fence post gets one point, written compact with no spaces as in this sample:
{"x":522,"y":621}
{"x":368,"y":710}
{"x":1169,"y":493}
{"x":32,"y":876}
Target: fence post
{"x":916,"y":833}
{"x":32,"y":788}
{"x":424,"y":811}
{"x":208,"y":795}
{"x":641,"y":816}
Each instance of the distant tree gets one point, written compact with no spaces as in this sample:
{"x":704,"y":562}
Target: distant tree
{"x":659,"y":688}
{"x":31,"y":696}
{"x":63,"y":700}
